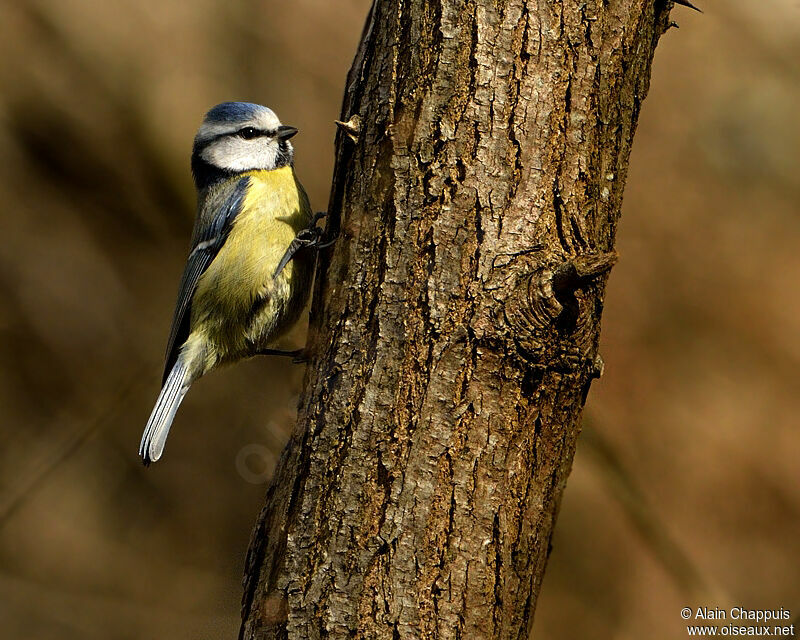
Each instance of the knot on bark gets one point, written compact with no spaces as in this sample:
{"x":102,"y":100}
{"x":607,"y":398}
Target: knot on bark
{"x":544,"y":312}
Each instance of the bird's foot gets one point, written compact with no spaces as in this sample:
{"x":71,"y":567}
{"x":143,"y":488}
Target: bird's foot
{"x":308,"y":238}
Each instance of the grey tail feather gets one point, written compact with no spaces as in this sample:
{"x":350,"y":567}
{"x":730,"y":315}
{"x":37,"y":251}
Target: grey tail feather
{"x":155,"y":433}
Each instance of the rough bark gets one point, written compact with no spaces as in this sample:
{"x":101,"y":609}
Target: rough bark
{"x":456,"y":320}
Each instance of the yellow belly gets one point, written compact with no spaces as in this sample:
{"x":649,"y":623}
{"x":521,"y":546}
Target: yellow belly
{"x":239,"y":307}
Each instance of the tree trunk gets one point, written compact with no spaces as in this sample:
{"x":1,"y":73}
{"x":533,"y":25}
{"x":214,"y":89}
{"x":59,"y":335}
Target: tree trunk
{"x":456,"y":319}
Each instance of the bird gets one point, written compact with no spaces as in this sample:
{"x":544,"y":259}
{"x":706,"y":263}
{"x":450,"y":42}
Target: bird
{"x":248,"y":274}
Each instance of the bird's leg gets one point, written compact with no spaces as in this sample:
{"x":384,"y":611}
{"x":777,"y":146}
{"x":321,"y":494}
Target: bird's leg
{"x":308,"y":238}
{"x":686,"y":3}
{"x":298,"y":356}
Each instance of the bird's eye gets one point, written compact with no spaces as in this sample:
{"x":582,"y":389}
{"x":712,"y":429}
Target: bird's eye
{"x":248,"y":133}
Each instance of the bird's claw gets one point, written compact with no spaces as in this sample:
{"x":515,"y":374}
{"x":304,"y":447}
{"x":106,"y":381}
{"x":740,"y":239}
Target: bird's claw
{"x":308,"y":238}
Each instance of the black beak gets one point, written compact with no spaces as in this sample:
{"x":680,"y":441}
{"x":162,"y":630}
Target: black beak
{"x":285,"y":132}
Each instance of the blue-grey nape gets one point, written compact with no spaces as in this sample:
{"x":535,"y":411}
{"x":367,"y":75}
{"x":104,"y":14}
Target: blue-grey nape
{"x":234,"y":111}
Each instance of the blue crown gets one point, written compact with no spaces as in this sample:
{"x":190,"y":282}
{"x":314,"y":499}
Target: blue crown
{"x":233,"y":111}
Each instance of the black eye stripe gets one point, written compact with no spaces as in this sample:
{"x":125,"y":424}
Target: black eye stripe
{"x":202,"y":145}
{"x":248,"y":133}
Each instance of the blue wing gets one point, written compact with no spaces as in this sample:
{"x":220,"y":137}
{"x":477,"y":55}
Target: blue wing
{"x":206,"y":244}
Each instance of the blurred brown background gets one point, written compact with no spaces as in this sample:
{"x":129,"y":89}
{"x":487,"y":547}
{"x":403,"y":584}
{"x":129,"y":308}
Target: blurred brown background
{"x":685,"y":490}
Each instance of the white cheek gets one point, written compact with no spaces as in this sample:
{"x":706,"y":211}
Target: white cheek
{"x":236,"y":154}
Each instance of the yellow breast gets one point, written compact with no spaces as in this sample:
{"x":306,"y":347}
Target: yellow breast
{"x":238,"y":302}
{"x":275,"y":209}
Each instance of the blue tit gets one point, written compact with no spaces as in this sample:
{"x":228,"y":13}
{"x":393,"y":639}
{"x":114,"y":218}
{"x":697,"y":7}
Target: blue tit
{"x":245,"y":282}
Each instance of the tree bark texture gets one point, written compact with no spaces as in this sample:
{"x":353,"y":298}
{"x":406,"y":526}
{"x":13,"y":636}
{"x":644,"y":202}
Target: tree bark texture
{"x":456,"y":319}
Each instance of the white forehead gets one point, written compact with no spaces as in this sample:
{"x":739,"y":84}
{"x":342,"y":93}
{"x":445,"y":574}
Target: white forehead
{"x":232,"y":116}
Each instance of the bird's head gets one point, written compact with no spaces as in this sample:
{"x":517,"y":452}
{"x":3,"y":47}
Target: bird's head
{"x":241,"y":136}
